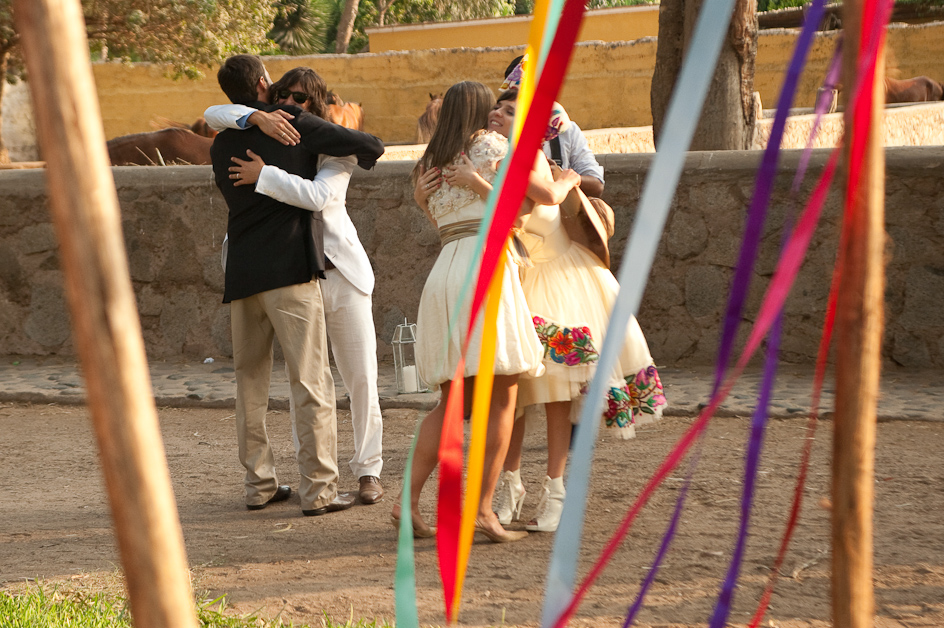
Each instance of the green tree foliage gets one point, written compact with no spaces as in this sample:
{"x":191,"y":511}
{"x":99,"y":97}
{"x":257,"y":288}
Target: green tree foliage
{"x":771,"y":5}
{"x":300,"y":25}
{"x":185,"y":33}
{"x":315,"y":22}
{"x":10,"y":66}
{"x":311,"y":26}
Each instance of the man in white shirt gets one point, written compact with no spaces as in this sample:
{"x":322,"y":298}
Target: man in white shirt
{"x":349,"y":278}
{"x":575,"y":154}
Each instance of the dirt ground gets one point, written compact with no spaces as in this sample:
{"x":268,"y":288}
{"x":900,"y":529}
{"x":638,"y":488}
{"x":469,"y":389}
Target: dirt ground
{"x":55,"y":525}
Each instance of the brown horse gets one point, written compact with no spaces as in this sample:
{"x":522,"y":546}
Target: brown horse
{"x":350,"y":114}
{"x":168,"y":146}
{"x":427,"y":122}
{"x":200,"y":127}
{"x":918,"y":89}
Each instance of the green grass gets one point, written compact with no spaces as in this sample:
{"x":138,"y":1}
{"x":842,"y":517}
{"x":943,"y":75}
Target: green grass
{"x":39,"y":606}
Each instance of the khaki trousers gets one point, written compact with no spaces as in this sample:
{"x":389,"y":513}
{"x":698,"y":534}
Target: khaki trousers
{"x":295,"y":315}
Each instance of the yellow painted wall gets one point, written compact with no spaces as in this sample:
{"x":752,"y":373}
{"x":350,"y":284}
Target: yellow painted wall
{"x":607,"y":84}
{"x":619,"y":24}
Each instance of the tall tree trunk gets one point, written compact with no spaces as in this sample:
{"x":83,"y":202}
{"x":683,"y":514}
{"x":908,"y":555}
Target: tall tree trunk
{"x":727,"y":121}
{"x":346,"y":25}
{"x":4,"y":56}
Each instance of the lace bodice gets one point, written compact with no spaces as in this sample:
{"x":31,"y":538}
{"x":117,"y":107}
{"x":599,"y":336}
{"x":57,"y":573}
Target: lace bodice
{"x":486,"y":150}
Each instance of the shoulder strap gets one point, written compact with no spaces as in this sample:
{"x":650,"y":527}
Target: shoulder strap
{"x":556,"y":152}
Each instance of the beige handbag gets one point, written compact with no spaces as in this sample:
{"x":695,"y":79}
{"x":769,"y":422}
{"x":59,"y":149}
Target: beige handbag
{"x":589,"y":222}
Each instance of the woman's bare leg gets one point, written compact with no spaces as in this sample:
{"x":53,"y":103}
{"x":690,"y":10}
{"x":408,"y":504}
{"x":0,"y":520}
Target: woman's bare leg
{"x":558,"y":437}
{"x":501,"y":420}
{"x":426,"y":453}
{"x":515,"y":447}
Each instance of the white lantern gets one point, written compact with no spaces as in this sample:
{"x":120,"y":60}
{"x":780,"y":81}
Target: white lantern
{"x":404,"y":359}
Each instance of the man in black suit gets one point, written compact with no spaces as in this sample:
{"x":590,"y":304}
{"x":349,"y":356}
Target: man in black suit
{"x":275,"y":258}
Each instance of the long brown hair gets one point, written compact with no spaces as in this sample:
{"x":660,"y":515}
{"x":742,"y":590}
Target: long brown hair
{"x":310,"y":82}
{"x":464,"y":114}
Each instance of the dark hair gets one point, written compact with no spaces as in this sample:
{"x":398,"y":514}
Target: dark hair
{"x":238,"y":77}
{"x":508,"y":94}
{"x":513,"y":65}
{"x":310,"y":82}
{"x":464,"y":114}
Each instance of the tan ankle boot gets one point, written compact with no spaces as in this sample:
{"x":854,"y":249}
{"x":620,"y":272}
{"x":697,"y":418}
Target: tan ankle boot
{"x":550,"y":507}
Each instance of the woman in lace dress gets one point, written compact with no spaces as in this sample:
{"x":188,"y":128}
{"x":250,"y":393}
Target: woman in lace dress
{"x":570,"y":294}
{"x":456,"y":212}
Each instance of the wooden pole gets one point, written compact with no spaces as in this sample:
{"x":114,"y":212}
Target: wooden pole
{"x":860,"y":318}
{"x":104,"y":316}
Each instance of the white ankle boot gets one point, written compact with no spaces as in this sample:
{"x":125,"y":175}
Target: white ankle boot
{"x":510,"y":497}
{"x":550,"y":506}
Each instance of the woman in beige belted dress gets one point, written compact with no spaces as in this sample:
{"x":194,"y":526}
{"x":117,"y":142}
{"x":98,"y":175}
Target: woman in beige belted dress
{"x":456,"y":212}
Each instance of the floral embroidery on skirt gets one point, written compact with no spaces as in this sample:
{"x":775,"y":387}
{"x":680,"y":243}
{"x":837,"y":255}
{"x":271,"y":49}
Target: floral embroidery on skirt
{"x":648,"y":394}
{"x":641,"y":394}
{"x":566,"y":345}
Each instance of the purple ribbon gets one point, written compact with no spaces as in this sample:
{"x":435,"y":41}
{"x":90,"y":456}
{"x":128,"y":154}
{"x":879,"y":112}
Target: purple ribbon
{"x":761,"y":199}
{"x":822,"y":103}
{"x":762,"y":191}
{"x":667,"y":538}
{"x":755,"y":444}
{"x":746,"y":261}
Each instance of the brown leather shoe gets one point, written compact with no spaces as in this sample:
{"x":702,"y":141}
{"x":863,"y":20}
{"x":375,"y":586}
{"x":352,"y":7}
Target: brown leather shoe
{"x":371,"y":491}
{"x":341,"y":501}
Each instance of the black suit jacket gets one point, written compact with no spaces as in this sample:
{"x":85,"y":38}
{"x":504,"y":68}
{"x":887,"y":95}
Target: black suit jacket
{"x":271,"y":244}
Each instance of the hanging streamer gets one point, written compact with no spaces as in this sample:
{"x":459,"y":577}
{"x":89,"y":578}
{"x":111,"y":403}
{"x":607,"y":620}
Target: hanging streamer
{"x":404,"y":581}
{"x":822,"y":354}
{"x":750,"y":245}
{"x":460,"y":537}
{"x":449,"y":506}
{"x":666,"y":538}
{"x":759,"y":204}
{"x":776,"y":295}
{"x":756,"y":443}
{"x":515,"y":183}
{"x":497,"y":222}
{"x":481,"y":403}
{"x":786,"y":271}
{"x":661,"y":180}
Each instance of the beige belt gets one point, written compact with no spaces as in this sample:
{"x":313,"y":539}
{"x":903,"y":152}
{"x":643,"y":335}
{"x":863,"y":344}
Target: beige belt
{"x":467,"y":228}
{"x":458,"y":230}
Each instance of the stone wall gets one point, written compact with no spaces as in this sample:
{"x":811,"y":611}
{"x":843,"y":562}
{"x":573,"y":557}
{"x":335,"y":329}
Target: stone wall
{"x":174,"y":219}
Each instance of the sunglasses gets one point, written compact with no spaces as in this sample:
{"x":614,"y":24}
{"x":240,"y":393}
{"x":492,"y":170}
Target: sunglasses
{"x":300,"y":97}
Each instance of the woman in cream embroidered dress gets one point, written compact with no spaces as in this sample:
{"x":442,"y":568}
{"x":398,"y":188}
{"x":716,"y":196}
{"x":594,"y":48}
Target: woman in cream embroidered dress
{"x":570,"y":294}
{"x":456,"y":212}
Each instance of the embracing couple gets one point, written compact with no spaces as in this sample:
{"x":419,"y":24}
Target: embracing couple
{"x":295,"y":270}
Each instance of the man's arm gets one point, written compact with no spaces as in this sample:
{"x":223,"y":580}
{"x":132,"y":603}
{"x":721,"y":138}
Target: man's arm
{"x":275,"y":124}
{"x":330,"y":184}
{"x":321,"y":137}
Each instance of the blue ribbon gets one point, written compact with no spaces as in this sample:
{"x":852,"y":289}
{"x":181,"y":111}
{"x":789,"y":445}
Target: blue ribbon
{"x":661,"y":181}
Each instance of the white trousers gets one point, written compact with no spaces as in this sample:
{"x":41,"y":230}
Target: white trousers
{"x":350,"y":325}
